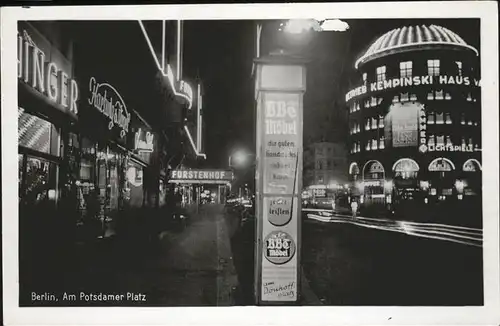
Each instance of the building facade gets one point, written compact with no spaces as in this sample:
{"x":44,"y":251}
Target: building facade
{"x":325,"y":163}
{"x":415,"y":119}
{"x":99,"y":127}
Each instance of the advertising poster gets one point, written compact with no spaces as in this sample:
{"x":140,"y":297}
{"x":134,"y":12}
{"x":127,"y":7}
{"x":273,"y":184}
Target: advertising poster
{"x":281,"y":133}
{"x":405,"y":120}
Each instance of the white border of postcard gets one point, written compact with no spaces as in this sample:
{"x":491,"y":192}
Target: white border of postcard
{"x":487,"y":314}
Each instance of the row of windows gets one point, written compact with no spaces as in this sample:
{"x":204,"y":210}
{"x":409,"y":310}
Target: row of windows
{"x":406,"y":69}
{"x":321,"y":150}
{"x":407,"y":97}
{"x":326,"y":164}
{"x":432,"y":140}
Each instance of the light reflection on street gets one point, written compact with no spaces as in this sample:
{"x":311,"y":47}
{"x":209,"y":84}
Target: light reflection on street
{"x":458,"y":234}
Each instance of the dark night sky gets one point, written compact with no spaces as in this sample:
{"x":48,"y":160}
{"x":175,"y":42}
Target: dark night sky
{"x":221,"y":52}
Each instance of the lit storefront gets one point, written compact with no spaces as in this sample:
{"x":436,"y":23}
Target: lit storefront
{"x":415,"y":118}
{"x":85,"y":153}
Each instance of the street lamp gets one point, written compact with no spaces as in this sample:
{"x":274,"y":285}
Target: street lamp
{"x":239,"y":158}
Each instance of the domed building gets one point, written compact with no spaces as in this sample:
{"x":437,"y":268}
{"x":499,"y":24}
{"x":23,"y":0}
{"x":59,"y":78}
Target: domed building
{"x":415,"y":120}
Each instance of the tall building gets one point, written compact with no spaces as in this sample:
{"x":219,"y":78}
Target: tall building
{"x":325,"y":163}
{"x":415,"y":118}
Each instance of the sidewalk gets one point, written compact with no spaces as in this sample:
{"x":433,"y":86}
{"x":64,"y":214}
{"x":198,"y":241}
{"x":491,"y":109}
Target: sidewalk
{"x":185,"y":267}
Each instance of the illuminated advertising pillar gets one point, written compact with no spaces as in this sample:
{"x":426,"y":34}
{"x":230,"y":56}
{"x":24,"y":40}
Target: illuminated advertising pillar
{"x":280,"y":85}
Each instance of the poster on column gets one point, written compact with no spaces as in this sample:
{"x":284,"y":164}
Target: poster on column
{"x":281,"y":145}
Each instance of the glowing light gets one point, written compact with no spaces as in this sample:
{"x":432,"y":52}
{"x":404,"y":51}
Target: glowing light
{"x":336,"y":25}
{"x":433,"y":35}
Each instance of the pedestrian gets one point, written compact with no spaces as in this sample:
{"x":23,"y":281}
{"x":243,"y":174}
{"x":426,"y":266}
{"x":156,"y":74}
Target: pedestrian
{"x":354,"y":207}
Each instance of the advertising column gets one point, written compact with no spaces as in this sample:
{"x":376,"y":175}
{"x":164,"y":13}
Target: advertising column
{"x":279,"y":91}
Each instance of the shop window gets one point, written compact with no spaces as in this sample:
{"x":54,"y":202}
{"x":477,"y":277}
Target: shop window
{"x":447,"y":117}
{"x":134,"y":184}
{"x":40,"y":188}
{"x":459,"y":68}
{"x":381,"y":73}
{"x":405,"y":69}
{"x":433,"y":67}
{"x":37,"y":134}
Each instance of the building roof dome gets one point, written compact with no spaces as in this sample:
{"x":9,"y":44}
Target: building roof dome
{"x":410,"y":38}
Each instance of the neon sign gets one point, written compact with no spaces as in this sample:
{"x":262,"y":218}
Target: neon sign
{"x":410,"y":81}
{"x":116,"y":111}
{"x":186,"y":89}
{"x":44,"y":76}
{"x":146,"y":144}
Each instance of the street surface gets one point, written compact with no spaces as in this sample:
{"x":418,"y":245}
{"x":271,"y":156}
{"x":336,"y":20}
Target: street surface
{"x":210,"y":262}
{"x":362,"y":262}
{"x":190,"y":267}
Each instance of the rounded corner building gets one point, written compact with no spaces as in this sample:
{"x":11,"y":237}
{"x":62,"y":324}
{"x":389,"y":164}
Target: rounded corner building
{"x":415,"y":120}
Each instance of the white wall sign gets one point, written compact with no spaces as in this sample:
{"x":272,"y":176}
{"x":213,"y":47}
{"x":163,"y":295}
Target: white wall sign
{"x":106,"y":99}
{"x":45,"y":76}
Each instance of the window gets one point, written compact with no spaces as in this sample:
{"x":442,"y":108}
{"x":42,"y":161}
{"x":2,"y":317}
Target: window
{"x":413,"y":97}
{"x":367,"y":103}
{"x":448,"y":141}
{"x":459,"y":68}
{"x":404,"y":97}
{"x":439,"y":118}
{"x":380,"y":121}
{"x":440,"y":140}
{"x":430,"y":95}
{"x":381,"y":73}
{"x":469,"y":97}
{"x":439,"y":95}
{"x":367,"y":126}
{"x":358,"y":128}
{"x":447,"y":118}
{"x":373,"y":101}
{"x":374,"y":144}
{"x":405,"y":69}
{"x":368,"y":145}
{"x":462,"y":119}
{"x":433,"y":67}
{"x":431,"y":140}
{"x":431,"y":118}
{"x":365,"y":77}
{"x":374,"y":123}
{"x":381,"y":143}
{"x":447,"y":96}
